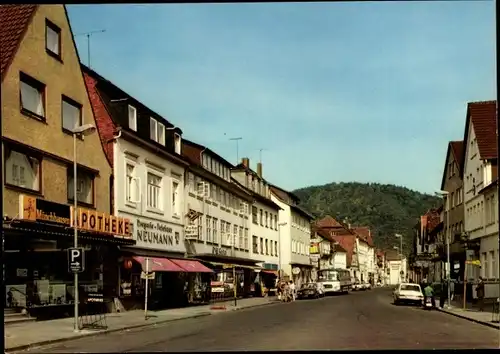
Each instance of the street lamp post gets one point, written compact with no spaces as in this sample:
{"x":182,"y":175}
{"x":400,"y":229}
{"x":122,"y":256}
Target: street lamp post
{"x":445,"y":194}
{"x":81,"y":130}
{"x":279,"y":249}
{"x":400,"y":255}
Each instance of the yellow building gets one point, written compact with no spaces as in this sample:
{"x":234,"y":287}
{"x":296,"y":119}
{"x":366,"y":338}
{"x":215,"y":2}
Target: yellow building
{"x":44,"y":98}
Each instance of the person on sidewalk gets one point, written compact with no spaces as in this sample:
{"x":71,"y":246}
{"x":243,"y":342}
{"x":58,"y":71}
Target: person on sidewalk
{"x":480,"y":294}
{"x":452,"y":289}
{"x":292,"y":289}
{"x":429,"y":293}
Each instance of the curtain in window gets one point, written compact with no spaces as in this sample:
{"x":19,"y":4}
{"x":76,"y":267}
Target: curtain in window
{"x":52,"y":40}
{"x":31,"y":99}
{"x":71,"y":116}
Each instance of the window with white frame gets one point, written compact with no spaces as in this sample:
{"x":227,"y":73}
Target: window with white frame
{"x":154,"y":191}
{"x":235,"y":236}
{"x":32,"y":94}
{"x":229,"y":237}
{"x":222,"y":232}
{"x":22,"y":170}
{"x":484,"y":261}
{"x":52,"y":38}
{"x":254,"y":215}
{"x":213,"y":192}
{"x":153,"y":129}
{"x":241,"y":243}
{"x":161,"y":134}
{"x":261,"y":217}
{"x":493,"y":265}
{"x":276,"y":248}
{"x":267,"y":219}
{"x":132,"y":184}
{"x":267,"y":247}
{"x":84,"y":186}
{"x":245,"y":246}
{"x":261,"y":245}
{"x":132,"y":118}
{"x":177,"y":143}
{"x":215,"y":237}
{"x":71,"y":114}
{"x":176,"y":207}
{"x":208,"y":223}
{"x":190,"y":180}
{"x":219,"y":195}
{"x":255,"y":244}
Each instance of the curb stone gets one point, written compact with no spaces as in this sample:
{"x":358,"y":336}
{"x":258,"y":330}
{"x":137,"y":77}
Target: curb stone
{"x":492,"y":325}
{"x":258,"y":305}
{"x":95,"y":334}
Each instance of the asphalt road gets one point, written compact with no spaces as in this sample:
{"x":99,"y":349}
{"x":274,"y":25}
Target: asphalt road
{"x":362,"y":320}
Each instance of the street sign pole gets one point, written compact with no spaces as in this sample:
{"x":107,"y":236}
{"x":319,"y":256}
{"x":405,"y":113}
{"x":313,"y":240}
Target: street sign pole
{"x":146,"y":290}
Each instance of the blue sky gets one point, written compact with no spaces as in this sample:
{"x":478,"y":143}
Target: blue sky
{"x":368,"y":92}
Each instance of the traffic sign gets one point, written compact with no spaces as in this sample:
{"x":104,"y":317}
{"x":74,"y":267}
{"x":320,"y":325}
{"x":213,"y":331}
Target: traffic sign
{"x":76,"y":260}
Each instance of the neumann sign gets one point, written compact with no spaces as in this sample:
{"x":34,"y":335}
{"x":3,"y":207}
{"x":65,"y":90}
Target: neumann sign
{"x":158,"y":235}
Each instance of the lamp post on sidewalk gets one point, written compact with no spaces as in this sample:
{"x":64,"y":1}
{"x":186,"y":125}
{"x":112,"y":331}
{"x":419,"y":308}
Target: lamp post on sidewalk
{"x":400,"y":255}
{"x":445,"y":195}
{"x":81,"y":130}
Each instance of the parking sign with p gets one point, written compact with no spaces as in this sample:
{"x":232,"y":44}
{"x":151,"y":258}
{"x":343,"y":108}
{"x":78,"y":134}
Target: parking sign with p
{"x":76,"y":260}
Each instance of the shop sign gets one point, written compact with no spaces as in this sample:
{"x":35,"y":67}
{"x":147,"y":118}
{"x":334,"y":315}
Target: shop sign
{"x":296,"y":271}
{"x":314,"y":258}
{"x":157,"y":234}
{"x":219,"y":251}
{"x":314,"y":248}
{"x":35,"y":209}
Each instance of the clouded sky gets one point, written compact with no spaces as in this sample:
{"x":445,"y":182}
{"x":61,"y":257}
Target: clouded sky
{"x":368,"y":92}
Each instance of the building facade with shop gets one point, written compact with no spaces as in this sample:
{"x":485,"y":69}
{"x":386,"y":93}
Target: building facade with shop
{"x":264,"y":228}
{"x":479,"y":171}
{"x":44,"y":99}
{"x":295,"y":236}
{"x":217,"y":221}
{"x":145,"y":151}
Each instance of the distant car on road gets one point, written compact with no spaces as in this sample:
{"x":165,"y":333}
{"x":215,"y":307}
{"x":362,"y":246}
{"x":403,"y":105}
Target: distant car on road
{"x":408,"y":293}
{"x":366,"y":286}
{"x":356,"y":285}
{"x":310,"y":291}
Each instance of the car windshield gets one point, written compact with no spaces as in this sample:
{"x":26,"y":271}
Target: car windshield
{"x":408,"y":287}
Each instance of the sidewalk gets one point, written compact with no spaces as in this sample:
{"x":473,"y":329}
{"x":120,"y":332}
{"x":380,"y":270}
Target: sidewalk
{"x":473,"y":314}
{"x":31,"y":334}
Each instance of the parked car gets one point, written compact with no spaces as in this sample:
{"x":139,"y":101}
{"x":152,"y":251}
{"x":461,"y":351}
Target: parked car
{"x":356,"y":285}
{"x":408,"y":293}
{"x":310,"y":291}
{"x":366,"y":286}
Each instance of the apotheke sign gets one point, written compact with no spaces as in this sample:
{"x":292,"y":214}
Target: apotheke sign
{"x":35,"y":209}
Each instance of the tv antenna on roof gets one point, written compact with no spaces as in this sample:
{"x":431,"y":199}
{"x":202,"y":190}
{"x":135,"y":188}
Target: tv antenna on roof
{"x":260,"y":154}
{"x":88,"y":34}
{"x":237,"y":148}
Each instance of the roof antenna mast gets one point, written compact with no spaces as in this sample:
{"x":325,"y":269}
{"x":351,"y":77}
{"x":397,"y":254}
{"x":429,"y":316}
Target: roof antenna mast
{"x":237,"y":147}
{"x":88,"y":34}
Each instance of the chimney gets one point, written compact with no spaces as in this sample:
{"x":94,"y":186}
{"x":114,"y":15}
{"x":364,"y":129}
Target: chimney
{"x":259,"y":169}
{"x":246,"y":162}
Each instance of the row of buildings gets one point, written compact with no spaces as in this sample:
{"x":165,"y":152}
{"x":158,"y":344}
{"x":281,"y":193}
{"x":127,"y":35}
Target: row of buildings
{"x":468,"y":217}
{"x":142,"y":191}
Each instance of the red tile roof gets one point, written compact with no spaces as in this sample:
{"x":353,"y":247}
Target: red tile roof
{"x":347,"y":242}
{"x":483,"y":117}
{"x":328,"y":222}
{"x":14,"y":20}
{"x":364,"y":233}
{"x":458,"y":150}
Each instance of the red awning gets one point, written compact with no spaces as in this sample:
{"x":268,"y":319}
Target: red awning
{"x":159,"y":264}
{"x":267,"y":271}
{"x":191,"y":266}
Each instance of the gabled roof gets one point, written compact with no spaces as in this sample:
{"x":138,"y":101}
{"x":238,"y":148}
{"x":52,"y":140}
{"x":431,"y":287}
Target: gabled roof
{"x":328,"y":222}
{"x":257,"y":196}
{"x":364,"y":233}
{"x":483,"y":116}
{"x":14,"y":21}
{"x":283,"y":195}
{"x":456,"y":149}
{"x":192,"y":151}
{"x":347,"y":242}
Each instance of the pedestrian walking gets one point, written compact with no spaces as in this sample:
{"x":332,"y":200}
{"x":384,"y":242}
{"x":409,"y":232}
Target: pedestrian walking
{"x":429,"y":293}
{"x":452,"y":289}
{"x":292,"y":289}
{"x":480,"y":294}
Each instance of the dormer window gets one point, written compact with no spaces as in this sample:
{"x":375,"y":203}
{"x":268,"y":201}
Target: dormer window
{"x":132,"y":118}
{"x":177,"y":143}
{"x":153,"y":129}
{"x":161,"y":134}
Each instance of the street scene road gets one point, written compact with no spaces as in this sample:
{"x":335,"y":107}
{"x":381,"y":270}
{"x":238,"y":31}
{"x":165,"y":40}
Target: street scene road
{"x":363,"y":320}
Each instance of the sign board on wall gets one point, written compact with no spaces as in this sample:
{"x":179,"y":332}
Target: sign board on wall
{"x":35,"y":209}
{"x":159,"y":235}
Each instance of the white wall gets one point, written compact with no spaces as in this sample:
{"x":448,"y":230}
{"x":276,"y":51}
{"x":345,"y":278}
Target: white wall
{"x":363,"y":258}
{"x":224,"y":210}
{"x":158,"y":229}
{"x":266,"y":233}
{"x":394,"y":268}
{"x":285,"y":231}
{"x":480,"y":172}
{"x":300,"y":239}
{"x":340,"y":260}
